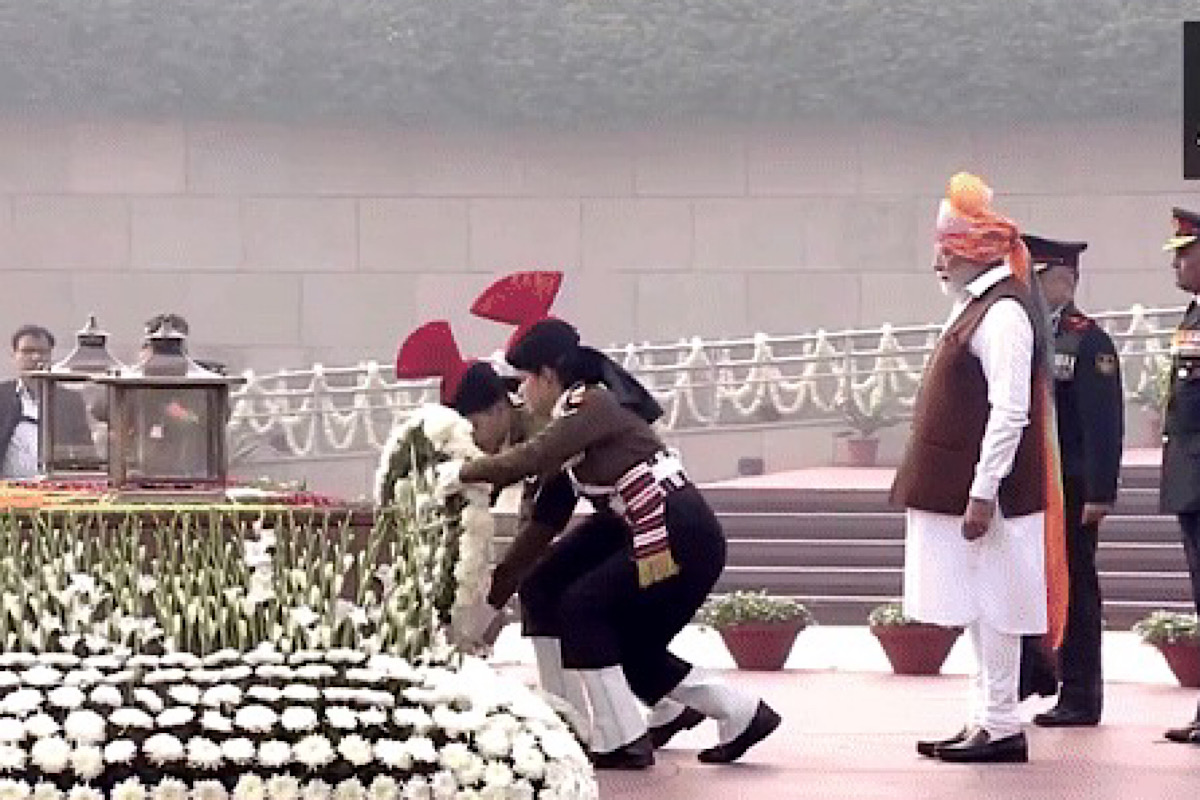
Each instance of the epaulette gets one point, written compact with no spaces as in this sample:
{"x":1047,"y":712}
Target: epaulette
{"x":1078,"y":322}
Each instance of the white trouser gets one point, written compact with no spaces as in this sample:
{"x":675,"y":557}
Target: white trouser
{"x":994,"y":682}
{"x":616,"y":715}
{"x":556,"y":680}
{"x":664,"y":711}
{"x":733,"y":710}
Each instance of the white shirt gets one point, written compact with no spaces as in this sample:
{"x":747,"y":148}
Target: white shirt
{"x":21,"y":458}
{"x":1003,"y":343}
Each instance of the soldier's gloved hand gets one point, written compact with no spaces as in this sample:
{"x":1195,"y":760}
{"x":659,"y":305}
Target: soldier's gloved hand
{"x":446,"y":480}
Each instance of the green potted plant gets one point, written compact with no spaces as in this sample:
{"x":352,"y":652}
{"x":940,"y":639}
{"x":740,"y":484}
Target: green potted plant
{"x":1177,"y":637}
{"x":864,"y":420}
{"x":911,"y":647}
{"x":758,"y":629}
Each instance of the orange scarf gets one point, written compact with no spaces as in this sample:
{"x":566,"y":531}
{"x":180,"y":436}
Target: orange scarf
{"x":968,"y":227}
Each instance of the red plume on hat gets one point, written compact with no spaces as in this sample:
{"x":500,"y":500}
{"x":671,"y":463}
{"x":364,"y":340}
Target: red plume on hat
{"x":522,"y":299}
{"x":431,"y":352}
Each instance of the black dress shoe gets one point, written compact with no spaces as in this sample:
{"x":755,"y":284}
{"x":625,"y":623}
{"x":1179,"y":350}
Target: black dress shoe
{"x":929,"y":747}
{"x":1066,"y":717}
{"x":638,"y":754}
{"x":765,"y":721}
{"x":685,"y":720}
{"x":1188,"y":734}
{"x":981,"y":748}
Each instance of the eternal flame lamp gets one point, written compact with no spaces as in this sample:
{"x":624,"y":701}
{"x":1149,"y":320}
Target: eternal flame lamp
{"x":67,"y":448}
{"x":167,"y":424}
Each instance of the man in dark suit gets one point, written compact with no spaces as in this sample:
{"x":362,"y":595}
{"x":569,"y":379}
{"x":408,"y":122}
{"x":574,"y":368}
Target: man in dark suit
{"x":1090,"y":413}
{"x":32,"y":347}
{"x":1180,"y":489}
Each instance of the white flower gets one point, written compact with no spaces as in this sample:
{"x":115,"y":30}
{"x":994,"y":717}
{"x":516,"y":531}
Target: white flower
{"x":372,"y":717}
{"x":520,"y":790}
{"x":17,"y":659}
{"x":350,"y":789}
{"x":264,"y":694}
{"x":250,"y":787}
{"x":149,"y":699}
{"x":274,"y":672}
{"x":341,"y":717}
{"x":47,"y":791}
{"x":124,"y":676}
{"x":304,"y":617}
{"x":283,"y":787}
{"x":11,"y":729}
{"x":170,"y":789}
{"x":83,"y":677}
{"x":106,"y":695}
{"x":344,"y":655}
{"x":129,"y":789}
{"x":316,"y":790}
{"x":184,"y":693}
{"x":421,"y":748}
{"x":180,"y":658}
{"x":298,"y":718}
{"x":41,"y":676}
{"x":131,"y":718}
{"x":120,"y":751}
{"x":416,"y":718}
{"x":393,"y":754}
{"x":316,"y":672}
{"x":216,"y":721}
{"x":162,"y":748}
{"x":176,"y":716}
{"x":417,"y":788}
{"x":444,"y":785}
{"x":203,"y":753}
{"x":233,"y":674}
{"x":51,"y":755}
{"x":529,"y":761}
{"x":367,"y":676}
{"x":85,"y":726}
{"x":356,"y":750}
{"x":22,"y":702}
{"x":66,"y":697}
{"x":209,"y":790}
{"x":12,"y":759}
{"x":140,"y":661}
{"x":83,"y":792}
{"x":314,"y":751}
{"x":255,"y":718}
{"x":558,"y":744}
{"x":88,"y":762}
{"x":174,"y":675}
{"x":497,"y":774}
{"x":40,"y":726}
{"x":273,"y":754}
{"x":384,"y":788}
{"x":9,"y":679}
{"x":455,"y":756}
{"x":240,"y":750}
{"x":493,"y":742}
{"x":225,"y":694}
{"x":204,"y":677}
{"x":301,"y":692}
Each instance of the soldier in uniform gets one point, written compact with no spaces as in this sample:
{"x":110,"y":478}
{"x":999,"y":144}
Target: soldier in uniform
{"x":478,"y":392}
{"x":1088,"y":398}
{"x":620,"y":585}
{"x":1180,"y":488}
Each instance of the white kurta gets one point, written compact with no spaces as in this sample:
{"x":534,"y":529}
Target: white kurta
{"x":1000,"y":577}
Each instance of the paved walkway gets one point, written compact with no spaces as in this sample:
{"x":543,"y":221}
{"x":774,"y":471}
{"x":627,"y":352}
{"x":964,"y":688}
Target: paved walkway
{"x":850,"y":725}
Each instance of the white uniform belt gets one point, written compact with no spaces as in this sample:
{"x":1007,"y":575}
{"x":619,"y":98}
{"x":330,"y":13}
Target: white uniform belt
{"x":665,"y":466}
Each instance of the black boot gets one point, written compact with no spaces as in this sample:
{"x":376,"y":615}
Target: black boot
{"x":929,"y":747}
{"x":638,"y":754}
{"x":685,"y":720}
{"x":765,"y":721}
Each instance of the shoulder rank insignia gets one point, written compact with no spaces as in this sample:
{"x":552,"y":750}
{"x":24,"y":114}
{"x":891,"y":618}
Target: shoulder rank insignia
{"x":1106,"y":363}
{"x":571,"y":400}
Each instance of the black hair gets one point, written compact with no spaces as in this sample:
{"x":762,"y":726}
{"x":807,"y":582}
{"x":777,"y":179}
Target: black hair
{"x":32,"y":330}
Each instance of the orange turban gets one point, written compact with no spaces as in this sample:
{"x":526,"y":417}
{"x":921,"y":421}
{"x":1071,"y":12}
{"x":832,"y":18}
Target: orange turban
{"x":968,"y":227}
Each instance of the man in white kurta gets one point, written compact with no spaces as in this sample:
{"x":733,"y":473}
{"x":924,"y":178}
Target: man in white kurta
{"x":994,"y":586}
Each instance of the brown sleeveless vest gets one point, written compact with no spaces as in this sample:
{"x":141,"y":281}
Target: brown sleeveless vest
{"x":950,"y":418}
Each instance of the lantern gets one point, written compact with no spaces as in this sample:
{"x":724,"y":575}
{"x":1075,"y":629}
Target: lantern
{"x":167,"y":423}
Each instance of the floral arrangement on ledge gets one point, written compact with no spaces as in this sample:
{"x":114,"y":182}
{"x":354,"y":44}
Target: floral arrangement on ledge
{"x":742,"y":607}
{"x":214,"y":656}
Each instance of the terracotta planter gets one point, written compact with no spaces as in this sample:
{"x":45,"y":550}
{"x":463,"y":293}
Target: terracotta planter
{"x":761,"y":645}
{"x":916,"y":649}
{"x":862,"y":452}
{"x":1184,"y":660}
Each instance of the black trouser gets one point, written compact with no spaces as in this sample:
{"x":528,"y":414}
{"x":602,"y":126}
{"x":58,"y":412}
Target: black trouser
{"x":585,"y":592}
{"x":1189,"y":527}
{"x":1079,"y":657}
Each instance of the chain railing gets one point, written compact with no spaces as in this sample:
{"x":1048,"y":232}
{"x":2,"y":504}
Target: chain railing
{"x":858,"y":379}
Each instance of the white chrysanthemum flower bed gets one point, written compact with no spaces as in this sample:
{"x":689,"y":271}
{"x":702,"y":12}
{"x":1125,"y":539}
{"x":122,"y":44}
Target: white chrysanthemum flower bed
{"x":379,"y":729}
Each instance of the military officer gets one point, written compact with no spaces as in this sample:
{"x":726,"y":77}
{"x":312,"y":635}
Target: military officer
{"x":1180,"y":487}
{"x":1090,"y":415}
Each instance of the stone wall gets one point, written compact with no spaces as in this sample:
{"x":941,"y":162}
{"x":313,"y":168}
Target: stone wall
{"x":286,"y":246}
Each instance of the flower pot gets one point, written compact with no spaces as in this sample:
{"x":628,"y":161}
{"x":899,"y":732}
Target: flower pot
{"x":1184,"y":660}
{"x":916,"y":648}
{"x":862,"y":452}
{"x":761,"y":645}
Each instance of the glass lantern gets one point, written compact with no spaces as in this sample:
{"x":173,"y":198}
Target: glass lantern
{"x":71,"y":441}
{"x":166,"y":436}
